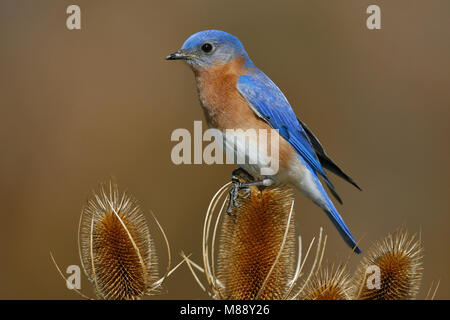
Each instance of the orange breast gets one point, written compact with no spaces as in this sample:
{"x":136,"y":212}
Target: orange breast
{"x":225,"y":107}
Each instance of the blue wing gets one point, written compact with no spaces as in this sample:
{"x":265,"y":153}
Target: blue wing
{"x":269,"y":103}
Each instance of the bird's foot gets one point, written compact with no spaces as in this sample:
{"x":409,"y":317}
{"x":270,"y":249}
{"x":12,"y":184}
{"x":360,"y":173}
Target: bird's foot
{"x":234,"y":195}
{"x":239,"y":186}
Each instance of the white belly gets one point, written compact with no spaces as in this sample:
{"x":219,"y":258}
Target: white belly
{"x":250,"y":151}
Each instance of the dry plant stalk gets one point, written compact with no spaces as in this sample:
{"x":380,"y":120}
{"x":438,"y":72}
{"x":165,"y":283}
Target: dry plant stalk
{"x":257,"y":256}
{"x":117,"y":252}
{"x":399,"y":259}
{"x":329,"y":284}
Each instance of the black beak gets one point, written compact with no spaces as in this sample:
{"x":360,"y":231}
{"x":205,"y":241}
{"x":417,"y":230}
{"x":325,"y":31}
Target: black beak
{"x":179,"y":55}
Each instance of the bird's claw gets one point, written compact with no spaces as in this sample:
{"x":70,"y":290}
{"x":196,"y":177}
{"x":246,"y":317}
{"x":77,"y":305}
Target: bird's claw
{"x":234,"y":194}
{"x":248,"y":192}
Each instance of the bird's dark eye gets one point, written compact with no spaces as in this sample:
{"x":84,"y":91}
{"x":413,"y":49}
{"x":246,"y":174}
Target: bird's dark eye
{"x":207,"y":47}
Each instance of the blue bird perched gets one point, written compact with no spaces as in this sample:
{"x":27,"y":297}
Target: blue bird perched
{"x":235,"y":94}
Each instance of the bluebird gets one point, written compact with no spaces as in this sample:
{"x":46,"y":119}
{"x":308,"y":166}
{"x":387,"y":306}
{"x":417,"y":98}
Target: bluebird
{"x":235,"y":94}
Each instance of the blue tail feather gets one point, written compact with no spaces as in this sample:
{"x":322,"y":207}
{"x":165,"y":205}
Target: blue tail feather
{"x":336,"y":218}
{"x":342,"y":229}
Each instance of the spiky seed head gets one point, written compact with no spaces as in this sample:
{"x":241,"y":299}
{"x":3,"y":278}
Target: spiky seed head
{"x":117,"y":252}
{"x":250,"y":242}
{"x":328,"y":284}
{"x":399,"y":259}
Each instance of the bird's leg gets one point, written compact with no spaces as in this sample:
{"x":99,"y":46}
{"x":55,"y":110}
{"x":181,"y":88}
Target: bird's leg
{"x":238,"y":186}
{"x":236,"y":176}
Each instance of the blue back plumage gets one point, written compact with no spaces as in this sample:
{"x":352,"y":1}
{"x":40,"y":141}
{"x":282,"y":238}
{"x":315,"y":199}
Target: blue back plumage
{"x":269,"y":103}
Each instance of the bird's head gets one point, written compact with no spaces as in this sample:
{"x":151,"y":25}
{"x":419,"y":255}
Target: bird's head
{"x":209,"y":48}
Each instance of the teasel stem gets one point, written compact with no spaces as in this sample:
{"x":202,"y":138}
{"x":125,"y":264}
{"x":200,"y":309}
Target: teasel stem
{"x":316,"y":264}
{"x":65,"y":279}
{"x":434,"y":292}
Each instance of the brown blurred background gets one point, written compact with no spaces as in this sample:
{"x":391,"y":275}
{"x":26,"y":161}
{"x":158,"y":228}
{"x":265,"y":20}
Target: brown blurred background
{"x":77,"y":107}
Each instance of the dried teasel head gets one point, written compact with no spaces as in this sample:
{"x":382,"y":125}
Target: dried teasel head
{"x":116,"y":249}
{"x":328,"y":284}
{"x":257,"y":257}
{"x":250,"y":263}
{"x":398,"y":258}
